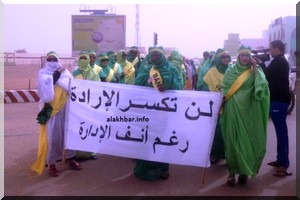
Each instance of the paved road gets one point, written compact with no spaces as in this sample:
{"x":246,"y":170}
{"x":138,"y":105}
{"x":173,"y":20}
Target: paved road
{"x":111,"y":175}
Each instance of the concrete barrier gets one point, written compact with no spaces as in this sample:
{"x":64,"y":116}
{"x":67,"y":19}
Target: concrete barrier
{"x":20,"y":96}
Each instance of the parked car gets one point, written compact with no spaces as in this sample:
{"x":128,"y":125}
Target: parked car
{"x":292,"y":78}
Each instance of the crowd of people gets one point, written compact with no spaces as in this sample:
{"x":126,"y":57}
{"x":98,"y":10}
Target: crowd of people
{"x":251,"y":93}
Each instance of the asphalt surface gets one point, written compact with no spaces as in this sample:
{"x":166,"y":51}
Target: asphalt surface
{"x":113,"y":176}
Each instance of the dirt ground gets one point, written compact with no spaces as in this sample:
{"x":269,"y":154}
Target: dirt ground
{"x":20,"y":77}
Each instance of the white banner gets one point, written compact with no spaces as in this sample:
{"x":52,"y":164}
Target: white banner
{"x":140,"y":122}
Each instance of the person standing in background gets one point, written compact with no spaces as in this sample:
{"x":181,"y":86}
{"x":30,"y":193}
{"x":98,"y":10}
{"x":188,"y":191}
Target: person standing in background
{"x":112,"y":63}
{"x":177,"y":60}
{"x":205,"y":58}
{"x":193,"y":72}
{"x":206,"y":65}
{"x":133,"y":56}
{"x":200,"y":65}
{"x":213,"y":80}
{"x":107,"y":74}
{"x":85,"y":72}
{"x":188,"y":82}
{"x":93,"y":58}
{"x":128,"y":70}
{"x":277,"y":74}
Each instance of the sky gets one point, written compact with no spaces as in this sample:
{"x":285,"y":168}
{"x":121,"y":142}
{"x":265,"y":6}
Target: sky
{"x":190,"y":27}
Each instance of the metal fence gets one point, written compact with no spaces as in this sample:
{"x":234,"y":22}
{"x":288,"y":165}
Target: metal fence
{"x":12,"y":59}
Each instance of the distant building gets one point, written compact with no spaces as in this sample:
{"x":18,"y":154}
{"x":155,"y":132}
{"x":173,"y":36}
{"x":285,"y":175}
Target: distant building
{"x":232,"y":44}
{"x":283,"y":29}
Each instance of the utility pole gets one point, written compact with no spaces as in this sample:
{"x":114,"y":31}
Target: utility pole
{"x":155,"y":39}
{"x":137,"y":26}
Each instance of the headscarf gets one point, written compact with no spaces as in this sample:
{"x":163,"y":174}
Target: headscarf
{"x":105,"y":70}
{"x":100,"y":57}
{"x":111,"y":58}
{"x":85,"y":68}
{"x":217,"y":61}
{"x":120,"y":60}
{"x":147,"y":59}
{"x":243,"y":49}
{"x":176,"y":58}
{"x":51,"y":66}
{"x":112,"y":63}
{"x":167,"y":70}
{"x":132,"y":53}
{"x":204,"y":69}
{"x":92,"y":52}
{"x":52,"y":53}
{"x":163,"y":60}
{"x":83,"y":64}
{"x":45,"y":79}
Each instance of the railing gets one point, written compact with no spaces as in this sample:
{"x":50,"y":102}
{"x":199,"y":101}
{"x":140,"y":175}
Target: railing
{"x":9,"y":59}
{"x":12,"y":59}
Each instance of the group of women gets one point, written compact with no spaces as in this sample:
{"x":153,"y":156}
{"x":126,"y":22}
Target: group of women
{"x":240,"y":135}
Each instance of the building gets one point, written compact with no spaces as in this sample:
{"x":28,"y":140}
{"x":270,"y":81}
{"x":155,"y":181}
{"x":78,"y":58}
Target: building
{"x":283,"y":29}
{"x":232,"y":44}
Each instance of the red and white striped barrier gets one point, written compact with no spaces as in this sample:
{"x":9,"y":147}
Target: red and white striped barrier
{"x":20,"y":96}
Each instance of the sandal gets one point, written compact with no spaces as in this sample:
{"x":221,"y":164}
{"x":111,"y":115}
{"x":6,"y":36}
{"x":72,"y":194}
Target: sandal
{"x":231,"y":180}
{"x":164,"y":175}
{"x":94,"y":157}
{"x":281,"y":172}
{"x":214,"y":160}
{"x":274,"y":164}
{"x":75,"y":165}
{"x":53,"y":171}
{"x":243,"y":179}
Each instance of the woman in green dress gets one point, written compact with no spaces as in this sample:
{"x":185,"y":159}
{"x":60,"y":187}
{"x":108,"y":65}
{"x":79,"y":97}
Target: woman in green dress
{"x":204,"y":69}
{"x":128,"y":70}
{"x":212,"y":80}
{"x":245,"y":115}
{"x":107,"y":74}
{"x":112,"y":63}
{"x":85,"y":71}
{"x":168,"y":79}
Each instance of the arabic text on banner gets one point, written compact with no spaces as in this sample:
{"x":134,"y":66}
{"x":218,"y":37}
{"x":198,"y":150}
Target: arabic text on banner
{"x":140,"y":122}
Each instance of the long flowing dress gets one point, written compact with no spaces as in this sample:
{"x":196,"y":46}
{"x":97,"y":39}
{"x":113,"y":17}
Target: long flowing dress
{"x":51,"y":138}
{"x":149,"y":170}
{"x":244,"y":120}
{"x":213,"y":80}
